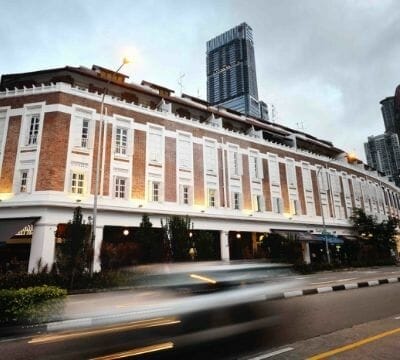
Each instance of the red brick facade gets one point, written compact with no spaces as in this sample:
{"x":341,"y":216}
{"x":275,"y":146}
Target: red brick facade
{"x":170,"y":169}
{"x":53,"y":152}
{"x":139,"y":166}
{"x":10,"y":154}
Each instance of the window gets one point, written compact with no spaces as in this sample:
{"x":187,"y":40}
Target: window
{"x":277,"y":205}
{"x":236,"y":200}
{"x":155,"y":194}
{"x":185,"y":151}
{"x":210,"y":156}
{"x":85,"y":133}
{"x":155,"y":144}
{"x":296,"y":207}
{"x":121,"y":141}
{"x":24,"y":178}
{"x":212,"y":197}
{"x":33,"y":129}
{"x":257,"y":203}
{"x":120,"y":187}
{"x":234,"y":161}
{"x":255,"y":166}
{"x":78,"y":183}
{"x":273,"y":167}
{"x":307,"y":182}
{"x":291,"y":173}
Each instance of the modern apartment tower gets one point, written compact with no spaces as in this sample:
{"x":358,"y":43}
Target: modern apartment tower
{"x":231,"y":71}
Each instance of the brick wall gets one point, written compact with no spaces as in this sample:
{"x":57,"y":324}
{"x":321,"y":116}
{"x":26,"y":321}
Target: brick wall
{"x":300,"y":189}
{"x":107,"y":161}
{"x":246,"y":184}
{"x":317,"y":198}
{"x":266,"y":186}
{"x":170,"y":169}
{"x":284,"y":188}
{"x":139,"y":166}
{"x":10,"y":154}
{"x":198,"y":171}
{"x":53,"y":152}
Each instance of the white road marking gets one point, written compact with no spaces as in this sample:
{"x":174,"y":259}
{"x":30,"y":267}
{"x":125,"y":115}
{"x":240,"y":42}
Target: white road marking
{"x":397,"y":318}
{"x":271,"y":354}
{"x":350,"y":286}
{"x":373,"y":282}
{"x":290,"y":294}
{"x":324,"y":289}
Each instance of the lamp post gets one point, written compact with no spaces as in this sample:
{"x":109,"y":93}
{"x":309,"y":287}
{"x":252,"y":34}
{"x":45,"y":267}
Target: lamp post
{"x":325,"y":233}
{"x":351,"y":158}
{"x":98,"y":161}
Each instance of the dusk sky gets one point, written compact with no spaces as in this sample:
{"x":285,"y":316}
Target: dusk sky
{"x":325,"y":65}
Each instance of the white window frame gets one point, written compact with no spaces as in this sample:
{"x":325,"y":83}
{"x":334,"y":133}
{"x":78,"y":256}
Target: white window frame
{"x":273,"y":167}
{"x":258,"y":203}
{"x":210,"y":156}
{"x":121,"y":141}
{"x":24,"y":184}
{"x":185,"y":150}
{"x":78,"y":182}
{"x":236,"y":200}
{"x":120,"y":190}
{"x":33,"y":128}
{"x":291,"y":173}
{"x":212,"y":197}
{"x":155,"y":193}
{"x":155,"y":144}
{"x":277,"y":205}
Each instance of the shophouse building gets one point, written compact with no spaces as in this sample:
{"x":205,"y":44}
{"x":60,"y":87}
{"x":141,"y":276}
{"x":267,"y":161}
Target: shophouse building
{"x":163,"y":154}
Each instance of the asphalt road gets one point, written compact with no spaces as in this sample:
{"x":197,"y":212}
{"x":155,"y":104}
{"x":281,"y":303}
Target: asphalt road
{"x":272,"y":325}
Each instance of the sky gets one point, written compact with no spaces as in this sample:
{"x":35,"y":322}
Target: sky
{"x":324,"y":65}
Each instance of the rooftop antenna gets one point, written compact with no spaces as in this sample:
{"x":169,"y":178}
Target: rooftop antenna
{"x":180,"y":82}
{"x":300,"y":125}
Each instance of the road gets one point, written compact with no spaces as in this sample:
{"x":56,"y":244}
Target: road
{"x":307,"y":325}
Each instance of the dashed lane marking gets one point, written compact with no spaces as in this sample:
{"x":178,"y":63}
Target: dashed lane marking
{"x":271,"y":354}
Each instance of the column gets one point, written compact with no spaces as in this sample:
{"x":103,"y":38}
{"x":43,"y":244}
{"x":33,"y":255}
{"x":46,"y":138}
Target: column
{"x":97,"y":248}
{"x":305,"y":247}
{"x":42,"y":246}
{"x":224,"y":245}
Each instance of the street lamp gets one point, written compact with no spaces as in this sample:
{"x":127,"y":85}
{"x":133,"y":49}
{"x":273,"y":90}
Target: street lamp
{"x":98,"y":161}
{"x":351,"y":158}
{"x":324,"y":231}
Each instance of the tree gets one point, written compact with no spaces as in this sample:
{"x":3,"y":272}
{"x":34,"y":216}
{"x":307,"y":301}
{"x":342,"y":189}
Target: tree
{"x":377,"y":239}
{"x":204,"y":243}
{"x":176,"y":235}
{"x":149,"y":241}
{"x":74,"y":253}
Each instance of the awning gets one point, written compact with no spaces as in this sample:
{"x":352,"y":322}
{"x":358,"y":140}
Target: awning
{"x":298,"y":235}
{"x":9,"y":227}
{"x":349,"y":237}
{"x":332,"y":239}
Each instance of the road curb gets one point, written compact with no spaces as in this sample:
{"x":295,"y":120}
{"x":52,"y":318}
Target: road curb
{"x":341,"y":287}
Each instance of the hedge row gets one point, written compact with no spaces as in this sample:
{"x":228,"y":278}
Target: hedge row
{"x":30,"y":305}
{"x":100,"y":280}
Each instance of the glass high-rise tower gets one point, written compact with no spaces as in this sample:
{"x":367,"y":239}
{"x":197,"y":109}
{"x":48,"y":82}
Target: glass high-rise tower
{"x":231,"y":71}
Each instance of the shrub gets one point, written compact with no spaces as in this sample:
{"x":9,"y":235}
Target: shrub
{"x":30,"y":305}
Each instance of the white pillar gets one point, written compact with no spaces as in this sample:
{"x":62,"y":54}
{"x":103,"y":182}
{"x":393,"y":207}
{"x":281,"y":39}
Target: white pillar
{"x":305,"y":246}
{"x":42,"y":246}
{"x":97,"y":248}
{"x":224,"y":245}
